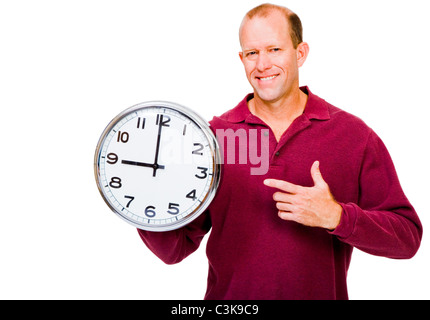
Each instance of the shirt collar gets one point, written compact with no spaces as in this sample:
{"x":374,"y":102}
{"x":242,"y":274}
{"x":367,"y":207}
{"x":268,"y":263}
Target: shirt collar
{"x":316,"y":108}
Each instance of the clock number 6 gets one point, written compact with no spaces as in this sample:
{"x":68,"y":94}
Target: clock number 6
{"x":149,"y":211}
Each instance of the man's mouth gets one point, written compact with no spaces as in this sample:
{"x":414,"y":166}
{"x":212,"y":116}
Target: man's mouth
{"x":267,"y":78}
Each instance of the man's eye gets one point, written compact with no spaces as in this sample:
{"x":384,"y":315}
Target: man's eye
{"x":276,"y":49}
{"x":251,"y":53}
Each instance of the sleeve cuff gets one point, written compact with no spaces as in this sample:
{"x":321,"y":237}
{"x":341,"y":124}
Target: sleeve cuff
{"x":347,"y":221}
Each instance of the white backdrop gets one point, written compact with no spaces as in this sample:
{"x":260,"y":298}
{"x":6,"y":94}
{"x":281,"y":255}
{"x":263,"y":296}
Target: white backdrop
{"x":68,"y":67}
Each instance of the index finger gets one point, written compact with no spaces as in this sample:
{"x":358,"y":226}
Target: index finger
{"x":282,"y":185}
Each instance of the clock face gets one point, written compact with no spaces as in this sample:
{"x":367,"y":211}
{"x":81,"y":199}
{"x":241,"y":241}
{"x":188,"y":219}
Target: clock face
{"x":157,"y":166}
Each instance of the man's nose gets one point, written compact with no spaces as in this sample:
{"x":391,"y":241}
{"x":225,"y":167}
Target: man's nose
{"x":263,"y":62}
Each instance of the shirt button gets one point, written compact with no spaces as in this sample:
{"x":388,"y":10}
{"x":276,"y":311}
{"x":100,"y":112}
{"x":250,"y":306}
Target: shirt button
{"x":277,"y":154}
{"x":266,"y":133}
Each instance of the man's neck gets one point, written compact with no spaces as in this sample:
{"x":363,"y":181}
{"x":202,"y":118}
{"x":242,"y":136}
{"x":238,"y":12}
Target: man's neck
{"x":284,"y":110}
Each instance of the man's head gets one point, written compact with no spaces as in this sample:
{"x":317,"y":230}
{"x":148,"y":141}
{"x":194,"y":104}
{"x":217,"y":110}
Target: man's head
{"x":272,"y":50}
{"x":295,"y":25}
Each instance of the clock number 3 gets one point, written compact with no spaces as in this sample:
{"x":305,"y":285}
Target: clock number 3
{"x":203,"y":171}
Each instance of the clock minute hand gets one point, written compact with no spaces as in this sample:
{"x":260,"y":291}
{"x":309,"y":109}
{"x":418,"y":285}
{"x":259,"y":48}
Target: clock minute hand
{"x":154,"y":165}
{"x":157,"y":150}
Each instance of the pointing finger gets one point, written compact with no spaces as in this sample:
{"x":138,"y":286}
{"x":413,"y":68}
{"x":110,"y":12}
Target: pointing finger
{"x":282,"y":185}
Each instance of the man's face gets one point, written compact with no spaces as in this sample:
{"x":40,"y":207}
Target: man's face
{"x":269,"y":57}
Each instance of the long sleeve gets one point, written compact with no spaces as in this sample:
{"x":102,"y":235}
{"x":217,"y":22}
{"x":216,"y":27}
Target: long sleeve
{"x":174,"y":246}
{"x":383,"y":222}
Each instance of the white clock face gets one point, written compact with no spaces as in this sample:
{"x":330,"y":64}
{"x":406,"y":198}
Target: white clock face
{"x":156,"y":166}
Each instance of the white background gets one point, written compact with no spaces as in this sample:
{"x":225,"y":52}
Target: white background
{"x":68,"y":67}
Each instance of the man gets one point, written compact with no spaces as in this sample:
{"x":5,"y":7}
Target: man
{"x":330,"y":185}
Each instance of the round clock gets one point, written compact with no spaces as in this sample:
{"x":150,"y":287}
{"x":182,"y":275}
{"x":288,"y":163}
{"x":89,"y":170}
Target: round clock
{"x":157,"y":165}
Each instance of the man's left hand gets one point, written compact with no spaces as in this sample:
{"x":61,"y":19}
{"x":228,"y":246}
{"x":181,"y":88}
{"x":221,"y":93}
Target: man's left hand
{"x":311,"y":206}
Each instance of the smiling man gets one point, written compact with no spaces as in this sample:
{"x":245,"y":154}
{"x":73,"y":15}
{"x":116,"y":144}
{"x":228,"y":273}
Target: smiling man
{"x":289,"y":233}
{"x":272,"y":58}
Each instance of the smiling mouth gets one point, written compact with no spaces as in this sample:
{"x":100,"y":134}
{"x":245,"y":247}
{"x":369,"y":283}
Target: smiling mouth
{"x":267,"y":78}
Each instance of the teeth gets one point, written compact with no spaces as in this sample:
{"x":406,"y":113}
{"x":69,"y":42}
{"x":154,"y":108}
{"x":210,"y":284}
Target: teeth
{"x":268,"y":78}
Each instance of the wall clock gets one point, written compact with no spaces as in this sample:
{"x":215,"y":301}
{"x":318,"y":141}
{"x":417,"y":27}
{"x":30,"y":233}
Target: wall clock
{"x":157,"y":165}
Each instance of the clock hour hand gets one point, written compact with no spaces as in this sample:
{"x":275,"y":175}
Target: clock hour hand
{"x":154,"y":166}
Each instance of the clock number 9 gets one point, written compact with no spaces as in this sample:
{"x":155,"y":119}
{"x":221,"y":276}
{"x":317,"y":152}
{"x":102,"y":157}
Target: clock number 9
{"x":112,"y":158}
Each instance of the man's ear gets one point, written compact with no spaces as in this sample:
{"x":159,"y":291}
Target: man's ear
{"x":302,"y":53}
{"x":241,"y":56}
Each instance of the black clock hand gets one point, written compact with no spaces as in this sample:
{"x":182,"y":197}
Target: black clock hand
{"x":142,"y":164}
{"x":160,"y":126}
{"x":154,"y":165}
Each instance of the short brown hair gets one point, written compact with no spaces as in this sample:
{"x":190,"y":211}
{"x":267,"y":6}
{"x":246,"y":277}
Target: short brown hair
{"x":296,"y":29}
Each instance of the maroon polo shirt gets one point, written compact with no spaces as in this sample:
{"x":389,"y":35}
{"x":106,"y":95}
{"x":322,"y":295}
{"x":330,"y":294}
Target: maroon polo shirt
{"x":252,"y":253}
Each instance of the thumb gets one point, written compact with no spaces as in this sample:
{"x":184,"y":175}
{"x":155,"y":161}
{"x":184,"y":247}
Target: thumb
{"x":316,"y":175}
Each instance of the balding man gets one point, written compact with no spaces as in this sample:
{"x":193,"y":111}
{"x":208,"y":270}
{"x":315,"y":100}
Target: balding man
{"x":325,"y":183}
